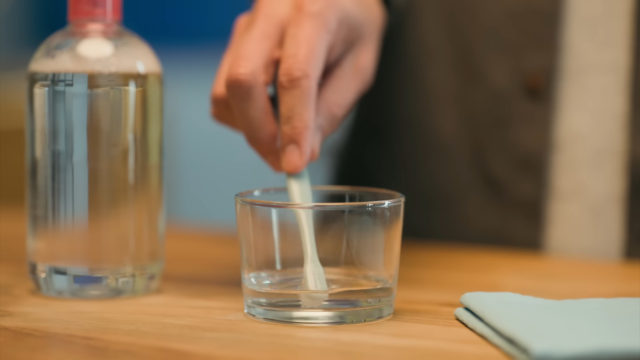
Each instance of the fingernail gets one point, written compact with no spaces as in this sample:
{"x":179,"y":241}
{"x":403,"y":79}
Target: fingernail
{"x":291,"y":159}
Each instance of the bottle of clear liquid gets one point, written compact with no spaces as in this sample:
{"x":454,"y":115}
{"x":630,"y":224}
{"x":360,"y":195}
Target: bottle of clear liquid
{"x":94,"y":158}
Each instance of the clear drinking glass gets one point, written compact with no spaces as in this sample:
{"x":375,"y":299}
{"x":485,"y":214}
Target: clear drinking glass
{"x":358,"y":235}
{"x":94,"y":158}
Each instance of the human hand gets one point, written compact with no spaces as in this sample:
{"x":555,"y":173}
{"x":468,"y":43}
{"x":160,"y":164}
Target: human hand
{"x":325,"y":53}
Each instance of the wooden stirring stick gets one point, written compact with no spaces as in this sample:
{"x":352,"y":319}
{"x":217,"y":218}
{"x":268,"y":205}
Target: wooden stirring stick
{"x":299,"y":188}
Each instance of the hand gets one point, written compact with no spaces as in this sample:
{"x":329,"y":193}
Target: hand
{"x":325,"y":53}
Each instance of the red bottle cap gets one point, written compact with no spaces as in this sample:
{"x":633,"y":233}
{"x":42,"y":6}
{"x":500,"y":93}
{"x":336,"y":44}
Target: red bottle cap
{"x":94,"y":10}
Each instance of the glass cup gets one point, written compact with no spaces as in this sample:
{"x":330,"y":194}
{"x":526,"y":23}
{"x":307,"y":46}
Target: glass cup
{"x":358,"y":234}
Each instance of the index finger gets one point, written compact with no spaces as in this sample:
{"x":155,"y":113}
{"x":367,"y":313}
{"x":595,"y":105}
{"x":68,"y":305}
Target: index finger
{"x":302,"y":63}
{"x":250,"y":70}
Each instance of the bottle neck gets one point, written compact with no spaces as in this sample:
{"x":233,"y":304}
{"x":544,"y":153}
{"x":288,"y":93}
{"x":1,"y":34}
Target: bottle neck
{"x":102,"y":28}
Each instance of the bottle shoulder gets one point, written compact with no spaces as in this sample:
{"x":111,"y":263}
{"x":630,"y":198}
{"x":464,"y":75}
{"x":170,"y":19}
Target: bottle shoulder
{"x":117,"y":50}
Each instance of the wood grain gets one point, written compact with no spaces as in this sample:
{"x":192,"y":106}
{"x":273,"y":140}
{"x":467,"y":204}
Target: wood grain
{"x":198,"y":313}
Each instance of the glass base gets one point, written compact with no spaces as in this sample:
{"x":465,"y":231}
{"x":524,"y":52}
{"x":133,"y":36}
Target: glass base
{"x":82,"y":282}
{"x":342,"y":313}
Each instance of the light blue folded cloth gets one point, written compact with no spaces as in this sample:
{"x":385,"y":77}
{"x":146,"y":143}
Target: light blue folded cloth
{"x":527,"y":327}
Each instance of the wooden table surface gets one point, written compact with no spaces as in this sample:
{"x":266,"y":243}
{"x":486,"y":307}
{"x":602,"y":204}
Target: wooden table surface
{"x":198,"y":313}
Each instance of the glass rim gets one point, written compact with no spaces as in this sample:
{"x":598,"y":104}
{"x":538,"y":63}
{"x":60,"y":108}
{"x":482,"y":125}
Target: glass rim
{"x":394,"y":197}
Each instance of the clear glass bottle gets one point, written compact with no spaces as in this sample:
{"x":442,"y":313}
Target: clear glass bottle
{"x":94,"y":158}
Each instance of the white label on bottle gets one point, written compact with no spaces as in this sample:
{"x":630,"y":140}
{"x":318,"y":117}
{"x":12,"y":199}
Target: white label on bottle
{"x":95,"y":47}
